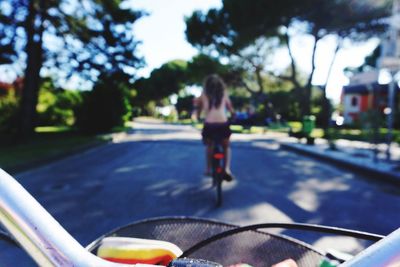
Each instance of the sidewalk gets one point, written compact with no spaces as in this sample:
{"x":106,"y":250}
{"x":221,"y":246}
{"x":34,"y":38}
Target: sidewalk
{"x":358,"y":156}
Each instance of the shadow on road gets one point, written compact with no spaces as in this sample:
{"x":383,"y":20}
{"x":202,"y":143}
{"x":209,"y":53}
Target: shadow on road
{"x":144,"y":175}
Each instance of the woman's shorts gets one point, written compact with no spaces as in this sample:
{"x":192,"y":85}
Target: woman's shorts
{"x":216,"y":131}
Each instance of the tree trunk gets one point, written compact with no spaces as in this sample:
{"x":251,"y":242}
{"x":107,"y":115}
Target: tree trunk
{"x":308,"y":87}
{"x":326,"y":103}
{"x":335,"y":53}
{"x":293,"y":75}
{"x":34,"y":51}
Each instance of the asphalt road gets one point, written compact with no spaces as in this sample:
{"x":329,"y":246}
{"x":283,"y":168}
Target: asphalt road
{"x":156,"y":170}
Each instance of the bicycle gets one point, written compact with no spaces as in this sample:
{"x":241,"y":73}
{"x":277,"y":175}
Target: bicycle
{"x":217,"y":168}
{"x":49,"y":244}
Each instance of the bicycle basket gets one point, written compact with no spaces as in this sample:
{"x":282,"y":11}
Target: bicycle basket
{"x":255,"y":247}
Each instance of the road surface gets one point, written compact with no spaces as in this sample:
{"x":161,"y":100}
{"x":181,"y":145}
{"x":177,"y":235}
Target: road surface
{"x":156,"y":170}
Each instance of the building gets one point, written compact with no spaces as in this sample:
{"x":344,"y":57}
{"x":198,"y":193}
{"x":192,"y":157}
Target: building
{"x":363,"y":93}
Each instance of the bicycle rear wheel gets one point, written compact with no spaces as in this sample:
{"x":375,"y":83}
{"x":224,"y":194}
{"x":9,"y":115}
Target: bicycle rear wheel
{"x":219,"y":190}
{"x":218,"y":171}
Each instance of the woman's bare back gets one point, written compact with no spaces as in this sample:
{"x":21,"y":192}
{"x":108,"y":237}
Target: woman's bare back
{"x":216,"y":114}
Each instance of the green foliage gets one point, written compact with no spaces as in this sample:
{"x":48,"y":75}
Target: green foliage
{"x":184,"y":106}
{"x":167,"y":80}
{"x":172,"y":117}
{"x":9,"y":106}
{"x":149,"y":109}
{"x":396,"y":136}
{"x":286,"y":104}
{"x":203,"y":65}
{"x":209,"y":30}
{"x":321,"y":108}
{"x":357,"y":18}
{"x":56,"y":106}
{"x":105,"y":107}
{"x":371,"y":121}
{"x":295,"y":125}
{"x":52,"y":129}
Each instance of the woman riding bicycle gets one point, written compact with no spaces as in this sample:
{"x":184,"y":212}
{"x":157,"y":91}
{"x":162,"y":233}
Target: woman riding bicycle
{"x":215,"y":102}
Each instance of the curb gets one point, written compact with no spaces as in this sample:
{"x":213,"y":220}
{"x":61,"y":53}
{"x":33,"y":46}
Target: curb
{"x":366,"y":170}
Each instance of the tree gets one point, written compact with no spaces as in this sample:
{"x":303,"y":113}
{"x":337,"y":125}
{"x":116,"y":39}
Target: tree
{"x":8,"y":33}
{"x":86,"y":38}
{"x":97,"y":38}
{"x":239,"y":25}
{"x":222,"y":32}
{"x":163,"y":82}
{"x":184,"y":106}
{"x":203,"y":65}
{"x":34,"y":51}
{"x":104,"y":107}
{"x":359,"y":21}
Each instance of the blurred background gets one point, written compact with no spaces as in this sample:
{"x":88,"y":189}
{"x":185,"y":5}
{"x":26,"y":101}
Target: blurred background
{"x":90,"y":66}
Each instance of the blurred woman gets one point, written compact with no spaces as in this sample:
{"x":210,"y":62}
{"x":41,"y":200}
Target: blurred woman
{"x":215,"y":103}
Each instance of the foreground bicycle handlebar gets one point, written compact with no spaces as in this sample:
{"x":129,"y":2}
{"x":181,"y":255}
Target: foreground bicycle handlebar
{"x":41,"y":236}
{"x":49,"y":244}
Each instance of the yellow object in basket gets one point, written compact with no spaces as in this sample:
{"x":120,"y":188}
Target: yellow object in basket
{"x":136,"y":250}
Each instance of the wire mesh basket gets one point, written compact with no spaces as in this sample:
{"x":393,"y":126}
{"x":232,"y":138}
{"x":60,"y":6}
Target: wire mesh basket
{"x":254,"y":247}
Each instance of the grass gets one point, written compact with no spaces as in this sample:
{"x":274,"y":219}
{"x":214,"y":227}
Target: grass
{"x":295,"y":126}
{"x":249,"y":130}
{"x":317,"y":133}
{"x":359,"y":135}
{"x":46,"y":144}
{"x":185,"y":121}
{"x":52,"y":129}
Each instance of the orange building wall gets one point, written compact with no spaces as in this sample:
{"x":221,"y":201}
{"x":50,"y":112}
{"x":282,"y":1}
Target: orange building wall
{"x":365,"y":103}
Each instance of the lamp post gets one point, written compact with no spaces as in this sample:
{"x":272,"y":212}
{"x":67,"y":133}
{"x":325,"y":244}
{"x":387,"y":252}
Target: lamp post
{"x":390,"y":111}
{"x":390,"y":59}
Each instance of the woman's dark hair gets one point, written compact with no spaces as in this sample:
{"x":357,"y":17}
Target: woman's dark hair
{"x":214,"y":88}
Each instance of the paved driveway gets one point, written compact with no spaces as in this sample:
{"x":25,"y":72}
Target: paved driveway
{"x":156,"y":170}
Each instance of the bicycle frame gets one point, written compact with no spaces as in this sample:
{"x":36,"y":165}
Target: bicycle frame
{"x":385,"y":252}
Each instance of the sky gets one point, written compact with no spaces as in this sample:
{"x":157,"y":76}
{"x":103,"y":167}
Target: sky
{"x":163,"y":39}
{"x":163,"y":30}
